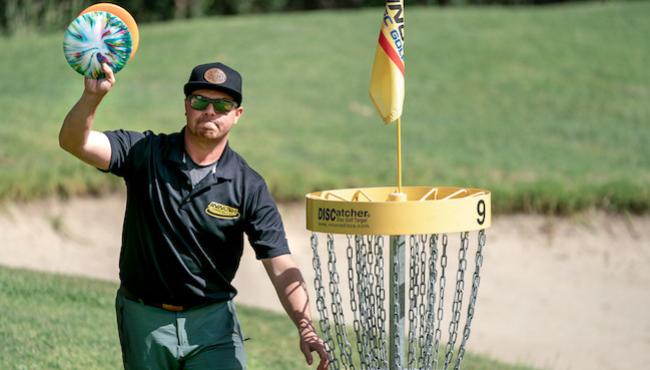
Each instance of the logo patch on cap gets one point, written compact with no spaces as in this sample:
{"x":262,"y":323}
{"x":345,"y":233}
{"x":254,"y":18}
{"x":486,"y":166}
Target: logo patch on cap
{"x":215,"y":76}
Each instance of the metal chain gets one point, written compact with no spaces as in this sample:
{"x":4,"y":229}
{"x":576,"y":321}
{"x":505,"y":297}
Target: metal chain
{"x":373,"y":332}
{"x":414,"y":248}
{"x":441,"y":301}
{"x":362,"y":291}
{"x":458,"y":298}
{"x":337,"y":308}
{"x":423,"y":298}
{"x":427,"y":345}
{"x":353,"y":303}
{"x":476,"y":280}
{"x":321,"y":305}
{"x":380,"y":293}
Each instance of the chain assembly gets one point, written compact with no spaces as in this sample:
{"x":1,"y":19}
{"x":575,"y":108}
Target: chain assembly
{"x":411,"y":342}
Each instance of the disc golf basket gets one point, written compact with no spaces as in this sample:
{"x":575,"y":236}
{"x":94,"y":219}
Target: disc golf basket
{"x":400,"y":327}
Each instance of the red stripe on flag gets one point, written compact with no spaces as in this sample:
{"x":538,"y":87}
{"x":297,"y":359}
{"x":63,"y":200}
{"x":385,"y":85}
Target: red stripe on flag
{"x":392,"y":54}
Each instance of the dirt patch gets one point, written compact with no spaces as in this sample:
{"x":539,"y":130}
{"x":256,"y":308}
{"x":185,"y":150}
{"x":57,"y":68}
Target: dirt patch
{"x":558,"y":293}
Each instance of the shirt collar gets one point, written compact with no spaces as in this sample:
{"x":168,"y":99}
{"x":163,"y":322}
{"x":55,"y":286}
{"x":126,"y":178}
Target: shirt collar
{"x":225,"y":166}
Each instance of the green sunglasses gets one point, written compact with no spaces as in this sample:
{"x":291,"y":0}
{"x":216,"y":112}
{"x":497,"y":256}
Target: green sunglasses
{"x":220,"y":105}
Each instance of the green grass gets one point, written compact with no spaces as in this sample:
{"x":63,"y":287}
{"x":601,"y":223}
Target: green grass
{"x":547,"y":107}
{"x":58,"y":322}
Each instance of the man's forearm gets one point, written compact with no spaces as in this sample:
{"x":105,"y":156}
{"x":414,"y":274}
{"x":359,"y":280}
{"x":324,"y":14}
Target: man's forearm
{"x":78,"y":123}
{"x":292,"y":291}
{"x":297,"y":300}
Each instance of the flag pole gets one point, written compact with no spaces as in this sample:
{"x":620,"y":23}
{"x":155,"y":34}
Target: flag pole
{"x":399,"y":154}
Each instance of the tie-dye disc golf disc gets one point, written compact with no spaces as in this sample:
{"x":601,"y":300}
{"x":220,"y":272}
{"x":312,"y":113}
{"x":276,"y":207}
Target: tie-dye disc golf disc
{"x":94,"y":38}
{"x":123,"y":15}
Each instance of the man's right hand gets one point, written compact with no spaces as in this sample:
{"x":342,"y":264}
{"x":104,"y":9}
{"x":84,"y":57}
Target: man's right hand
{"x":102,"y":86}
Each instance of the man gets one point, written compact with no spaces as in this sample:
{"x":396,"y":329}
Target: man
{"x":190,"y":199}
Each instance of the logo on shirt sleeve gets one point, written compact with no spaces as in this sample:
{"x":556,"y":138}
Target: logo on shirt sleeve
{"x":222,"y":211}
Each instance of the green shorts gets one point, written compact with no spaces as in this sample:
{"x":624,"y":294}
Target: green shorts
{"x":204,"y":338}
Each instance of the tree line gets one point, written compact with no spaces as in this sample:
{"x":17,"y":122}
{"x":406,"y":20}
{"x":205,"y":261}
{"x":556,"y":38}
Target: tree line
{"x":50,"y":15}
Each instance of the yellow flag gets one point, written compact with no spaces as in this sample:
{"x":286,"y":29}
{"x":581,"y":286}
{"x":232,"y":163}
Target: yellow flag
{"x":387,"y":78}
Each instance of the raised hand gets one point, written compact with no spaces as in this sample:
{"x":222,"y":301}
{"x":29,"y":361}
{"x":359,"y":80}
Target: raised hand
{"x":101,"y":86}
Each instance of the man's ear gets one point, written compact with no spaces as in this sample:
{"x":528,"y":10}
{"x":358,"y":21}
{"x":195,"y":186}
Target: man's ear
{"x":240,"y":112}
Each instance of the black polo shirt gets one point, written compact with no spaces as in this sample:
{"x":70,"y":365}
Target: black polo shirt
{"x":182,"y":244}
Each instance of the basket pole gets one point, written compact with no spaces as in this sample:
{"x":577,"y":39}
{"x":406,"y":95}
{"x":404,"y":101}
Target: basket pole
{"x":398,"y":126}
{"x":396,"y":301}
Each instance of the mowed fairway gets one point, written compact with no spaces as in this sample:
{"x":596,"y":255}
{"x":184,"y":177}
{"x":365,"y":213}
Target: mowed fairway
{"x":56,"y":322}
{"x":547,"y":107}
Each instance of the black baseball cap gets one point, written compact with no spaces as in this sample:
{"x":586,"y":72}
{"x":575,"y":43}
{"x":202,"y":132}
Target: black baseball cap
{"x":215,"y":76}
